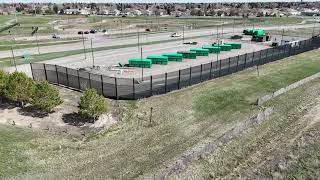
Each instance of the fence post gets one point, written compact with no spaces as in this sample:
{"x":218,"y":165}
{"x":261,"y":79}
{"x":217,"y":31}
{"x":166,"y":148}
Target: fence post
{"x":190,"y":77}
{"x":102,"y":90}
{"x":151,"y":85}
{"x":211,"y":70}
{"x":133,"y":89}
{"x":229,"y":65}
{"x":201,"y":73}
{"x":165,"y":82}
{"x":116,"y":87}
{"x":179,"y":79}
{"x":45,"y":71}
{"x":31,"y":70}
{"x":78,"y":80}
{"x":67,"y":77}
{"x":245,"y":61}
{"x":89,"y":80}
{"x":57,"y":73}
{"x":238,"y":62}
{"x":219,"y":67}
{"x":259,"y":62}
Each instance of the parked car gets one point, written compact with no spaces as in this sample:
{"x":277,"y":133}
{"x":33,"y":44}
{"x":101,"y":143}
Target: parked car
{"x":147,"y":30}
{"x":86,"y":32}
{"x":55,"y":36}
{"x":104,"y":30}
{"x":80,"y":32}
{"x":175,"y":35}
{"x":93,"y":31}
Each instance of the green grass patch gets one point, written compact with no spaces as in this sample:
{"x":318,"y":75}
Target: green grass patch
{"x":13,"y":159}
{"x":31,"y":45}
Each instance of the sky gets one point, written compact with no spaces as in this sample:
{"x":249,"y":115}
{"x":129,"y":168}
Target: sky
{"x":145,"y":1}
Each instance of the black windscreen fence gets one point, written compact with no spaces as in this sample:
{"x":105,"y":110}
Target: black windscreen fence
{"x":137,"y":88}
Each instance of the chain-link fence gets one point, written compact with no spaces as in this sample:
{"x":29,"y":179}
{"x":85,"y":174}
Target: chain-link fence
{"x":136,"y":88}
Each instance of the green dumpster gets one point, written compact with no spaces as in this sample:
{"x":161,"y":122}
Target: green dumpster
{"x":188,"y":54}
{"x":138,"y":62}
{"x":224,"y":47}
{"x":234,"y":45}
{"x":173,"y":56}
{"x":200,"y":51}
{"x":158,"y":59}
{"x":212,"y":49}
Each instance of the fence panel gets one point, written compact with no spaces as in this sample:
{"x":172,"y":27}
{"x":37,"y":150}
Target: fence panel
{"x":125,"y":88}
{"x":73,"y":78}
{"x":224,"y":67}
{"x":233,"y":64}
{"x":95,"y":82}
{"x":241,"y":62}
{"x":62,"y":75}
{"x":158,"y":84}
{"x":84,"y":80}
{"x":195,"y":75}
{"x":38,"y":71}
{"x":185,"y":77}
{"x":51,"y":73}
{"x":206,"y":71}
{"x":249,"y":62}
{"x":109,"y":87}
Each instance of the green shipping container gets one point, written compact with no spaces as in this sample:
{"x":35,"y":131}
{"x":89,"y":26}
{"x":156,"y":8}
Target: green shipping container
{"x":212,"y":49}
{"x":223,"y":47}
{"x":188,"y":54}
{"x":138,"y":62}
{"x":200,"y":51}
{"x":158,"y":59}
{"x":259,"y":32}
{"x":234,"y":45}
{"x":173,"y":56}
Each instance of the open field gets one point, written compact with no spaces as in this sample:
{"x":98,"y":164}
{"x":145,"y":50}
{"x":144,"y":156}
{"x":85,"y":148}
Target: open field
{"x":298,"y":32}
{"x":181,"y":120}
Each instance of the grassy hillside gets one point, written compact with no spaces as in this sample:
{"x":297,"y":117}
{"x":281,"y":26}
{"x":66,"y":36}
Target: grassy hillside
{"x":181,"y":121}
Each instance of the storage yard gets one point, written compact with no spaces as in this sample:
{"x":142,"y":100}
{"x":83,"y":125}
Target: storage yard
{"x":107,"y":62}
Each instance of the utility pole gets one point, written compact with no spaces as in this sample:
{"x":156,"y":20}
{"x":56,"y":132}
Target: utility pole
{"x":14,"y":59}
{"x":84,"y":48}
{"x":92,"y":54}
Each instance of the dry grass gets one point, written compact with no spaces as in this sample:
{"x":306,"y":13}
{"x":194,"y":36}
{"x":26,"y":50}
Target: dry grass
{"x":180,"y":121}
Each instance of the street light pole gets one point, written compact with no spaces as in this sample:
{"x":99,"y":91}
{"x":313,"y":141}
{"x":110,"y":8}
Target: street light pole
{"x":183,"y":33}
{"x":14,"y":59}
{"x":84,"y":48}
{"x":138,"y":40}
{"x":92,"y":54}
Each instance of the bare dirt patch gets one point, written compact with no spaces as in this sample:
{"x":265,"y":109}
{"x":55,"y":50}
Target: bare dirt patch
{"x":64,"y":119}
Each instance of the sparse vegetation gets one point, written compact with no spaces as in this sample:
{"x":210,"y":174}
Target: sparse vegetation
{"x":46,"y":97}
{"x":92,"y":105}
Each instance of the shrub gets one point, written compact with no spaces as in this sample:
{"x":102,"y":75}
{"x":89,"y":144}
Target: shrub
{"x":91,"y":104}
{"x":19,"y":88}
{"x":46,"y":97}
{"x":3,"y":82}
{"x":3,"y":79}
